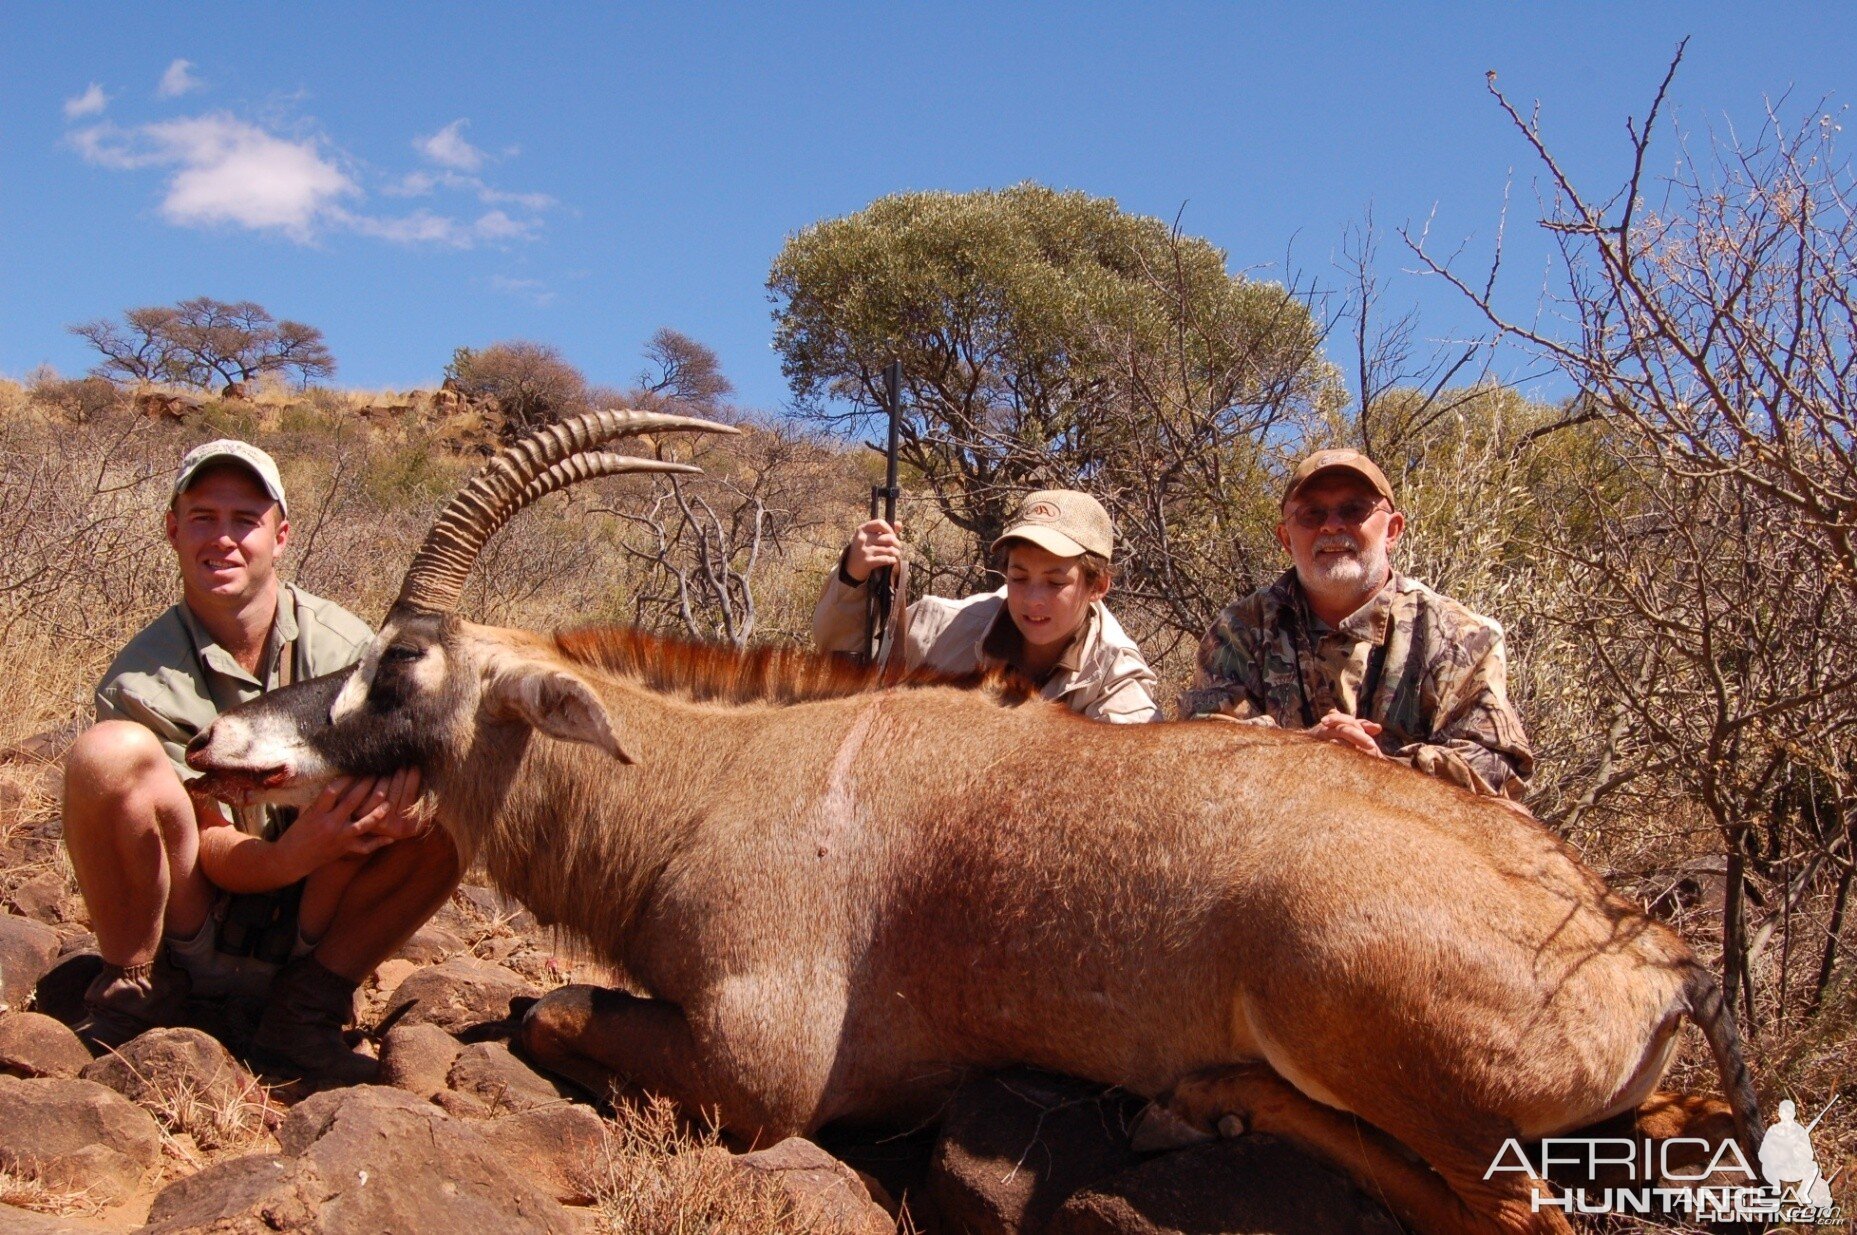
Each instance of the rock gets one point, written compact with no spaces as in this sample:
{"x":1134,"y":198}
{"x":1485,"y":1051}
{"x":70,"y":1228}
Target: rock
{"x":417,"y":1058}
{"x":60,"y":993}
{"x":388,"y":975}
{"x":827,"y":1194}
{"x":1254,"y":1185}
{"x":33,"y":1044}
{"x":493,"y":906}
{"x":391,"y":1162}
{"x":463,"y":1105}
{"x":158,"y":405}
{"x":430,"y":944}
{"x":27,"y":950}
{"x":255,"y":1195}
{"x":48,"y":745}
{"x":76,"y":1134}
{"x":1014,"y":1147}
{"x":550,"y":1145}
{"x":487,"y":1071}
{"x":41,"y":898}
{"x":458,"y":995}
{"x":158,"y":1066}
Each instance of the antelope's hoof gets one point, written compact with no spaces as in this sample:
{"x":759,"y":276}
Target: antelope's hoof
{"x":1158,"y":1129}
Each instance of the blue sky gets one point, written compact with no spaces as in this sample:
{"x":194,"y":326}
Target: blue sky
{"x":411,"y":178}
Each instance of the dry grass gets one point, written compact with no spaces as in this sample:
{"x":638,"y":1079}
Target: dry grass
{"x":203,"y":1123}
{"x":24,"y":1189}
{"x":654,"y":1175}
{"x":200,"y":1127}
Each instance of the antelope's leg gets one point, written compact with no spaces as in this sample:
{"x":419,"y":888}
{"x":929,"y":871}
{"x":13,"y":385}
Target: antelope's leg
{"x":607,"y":1041}
{"x":620,"y":1046}
{"x":1447,"y":1198}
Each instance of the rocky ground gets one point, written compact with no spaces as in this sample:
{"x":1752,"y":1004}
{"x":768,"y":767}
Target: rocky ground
{"x":459,"y":1135}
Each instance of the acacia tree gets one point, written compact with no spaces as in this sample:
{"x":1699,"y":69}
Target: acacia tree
{"x":1048,"y":338}
{"x":683,"y":374}
{"x":200,"y":340}
{"x":1714,"y":329}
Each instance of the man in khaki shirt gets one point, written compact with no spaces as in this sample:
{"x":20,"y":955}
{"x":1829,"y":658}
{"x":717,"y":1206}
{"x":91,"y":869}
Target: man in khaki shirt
{"x":1049,"y":622}
{"x":185,"y":900}
{"x":1347,"y":649}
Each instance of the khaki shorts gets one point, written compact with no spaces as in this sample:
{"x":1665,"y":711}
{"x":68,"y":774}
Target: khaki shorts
{"x":217,"y":974}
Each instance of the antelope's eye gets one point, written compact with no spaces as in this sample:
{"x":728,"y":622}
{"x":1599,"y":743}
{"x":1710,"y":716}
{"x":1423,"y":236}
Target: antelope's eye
{"x":401,"y":654}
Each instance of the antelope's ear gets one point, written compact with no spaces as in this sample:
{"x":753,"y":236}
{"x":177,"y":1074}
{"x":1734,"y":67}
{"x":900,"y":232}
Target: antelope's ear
{"x":554,"y":702}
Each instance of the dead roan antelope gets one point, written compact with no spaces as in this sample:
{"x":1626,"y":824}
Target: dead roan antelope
{"x":839,"y":897}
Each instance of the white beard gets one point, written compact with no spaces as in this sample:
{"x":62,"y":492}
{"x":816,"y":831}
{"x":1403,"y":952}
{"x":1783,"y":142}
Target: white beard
{"x":1354,"y":572}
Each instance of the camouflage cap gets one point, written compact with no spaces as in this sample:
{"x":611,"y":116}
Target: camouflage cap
{"x":1339,"y":461}
{"x":258,"y":463}
{"x":1063,"y":521}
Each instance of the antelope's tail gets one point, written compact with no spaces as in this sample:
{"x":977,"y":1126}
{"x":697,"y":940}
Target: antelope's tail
{"x":1703,"y":995}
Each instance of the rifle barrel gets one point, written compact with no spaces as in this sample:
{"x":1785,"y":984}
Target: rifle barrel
{"x":893,"y":403}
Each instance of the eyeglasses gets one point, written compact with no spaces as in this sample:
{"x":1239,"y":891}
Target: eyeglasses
{"x":1353,"y":512}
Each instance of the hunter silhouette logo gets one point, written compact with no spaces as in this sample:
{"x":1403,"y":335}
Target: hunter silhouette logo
{"x":1788,"y":1187}
{"x":1786,"y":1160}
{"x":1041,"y":510}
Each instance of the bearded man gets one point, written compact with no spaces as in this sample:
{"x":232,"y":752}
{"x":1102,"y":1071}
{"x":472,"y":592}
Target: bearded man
{"x":1346,"y":649}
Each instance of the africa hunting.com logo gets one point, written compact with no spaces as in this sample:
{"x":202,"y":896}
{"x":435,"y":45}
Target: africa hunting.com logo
{"x":1724,"y":1187}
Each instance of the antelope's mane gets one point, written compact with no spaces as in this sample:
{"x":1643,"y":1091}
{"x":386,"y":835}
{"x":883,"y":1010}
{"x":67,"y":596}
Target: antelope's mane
{"x":777,"y":676}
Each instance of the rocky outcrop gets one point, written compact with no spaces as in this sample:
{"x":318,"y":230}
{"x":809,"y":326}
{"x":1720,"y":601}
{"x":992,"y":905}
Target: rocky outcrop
{"x":76,"y":1134}
{"x":164,"y":1063}
{"x":367,"y":1158}
{"x":27,"y":950}
{"x":32,"y":1044}
{"x":458,"y":995}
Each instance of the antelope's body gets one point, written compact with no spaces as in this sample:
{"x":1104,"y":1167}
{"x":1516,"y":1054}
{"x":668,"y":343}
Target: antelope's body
{"x":835,"y":900}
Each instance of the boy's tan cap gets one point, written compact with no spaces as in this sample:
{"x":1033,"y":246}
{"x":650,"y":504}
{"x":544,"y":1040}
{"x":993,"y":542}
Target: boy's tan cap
{"x":1064,"y":521}
{"x":1338,"y":461}
{"x":260,"y":464}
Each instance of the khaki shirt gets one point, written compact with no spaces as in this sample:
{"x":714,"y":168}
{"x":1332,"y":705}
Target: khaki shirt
{"x":173,"y":678}
{"x":1102,"y":674}
{"x":1432,"y":672}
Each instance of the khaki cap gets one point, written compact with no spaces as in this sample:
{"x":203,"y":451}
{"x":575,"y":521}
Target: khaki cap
{"x":261,"y":465}
{"x":1064,"y":521}
{"x":1339,"y":461}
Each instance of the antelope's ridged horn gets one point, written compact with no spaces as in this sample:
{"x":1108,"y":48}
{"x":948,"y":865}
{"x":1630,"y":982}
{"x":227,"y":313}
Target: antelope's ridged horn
{"x":435,"y":579}
{"x":593,"y":465}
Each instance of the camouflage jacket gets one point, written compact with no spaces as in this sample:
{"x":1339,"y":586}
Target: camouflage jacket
{"x":1428,"y":670}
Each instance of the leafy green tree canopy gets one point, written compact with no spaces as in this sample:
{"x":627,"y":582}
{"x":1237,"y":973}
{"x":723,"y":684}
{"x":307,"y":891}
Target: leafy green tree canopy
{"x":1047,"y":338}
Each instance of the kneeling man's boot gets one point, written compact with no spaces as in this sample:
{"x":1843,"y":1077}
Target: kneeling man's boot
{"x":123,"y":1002}
{"x":301,"y":1028}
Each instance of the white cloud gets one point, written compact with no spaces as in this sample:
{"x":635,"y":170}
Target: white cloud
{"x":419,"y":227}
{"x":421,"y":184}
{"x":89,"y":103}
{"x":178,"y":80}
{"x":427,"y":227}
{"x":448,"y":148}
{"x":227,"y":171}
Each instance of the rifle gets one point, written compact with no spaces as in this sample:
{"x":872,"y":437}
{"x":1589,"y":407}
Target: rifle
{"x":879,"y":630}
